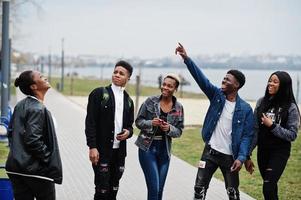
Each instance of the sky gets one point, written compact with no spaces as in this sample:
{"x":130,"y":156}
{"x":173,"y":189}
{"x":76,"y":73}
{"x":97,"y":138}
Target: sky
{"x":152,"y":28}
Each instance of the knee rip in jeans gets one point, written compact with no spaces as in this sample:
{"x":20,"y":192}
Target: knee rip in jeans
{"x":232,"y":193}
{"x":115,"y":188}
{"x":104,"y":167}
{"x":268,"y":170}
{"x":101,"y":190}
{"x":200,"y":193}
{"x":121,"y":169}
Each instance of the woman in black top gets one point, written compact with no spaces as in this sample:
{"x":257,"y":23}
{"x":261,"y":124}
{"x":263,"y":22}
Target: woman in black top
{"x":277,"y":120}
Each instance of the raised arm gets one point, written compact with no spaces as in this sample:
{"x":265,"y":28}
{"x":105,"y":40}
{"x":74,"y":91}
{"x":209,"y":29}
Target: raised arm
{"x":208,"y":88}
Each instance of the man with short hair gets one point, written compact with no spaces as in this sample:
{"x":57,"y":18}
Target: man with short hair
{"x":227,"y":129}
{"x":110,"y":115}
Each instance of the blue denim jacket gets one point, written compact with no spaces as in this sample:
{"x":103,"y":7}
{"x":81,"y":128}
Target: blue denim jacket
{"x":242,"y":122}
{"x":151,"y":109}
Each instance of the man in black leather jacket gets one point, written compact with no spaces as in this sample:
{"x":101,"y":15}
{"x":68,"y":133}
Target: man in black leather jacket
{"x":33,"y":164}
{"x":110,"y":115}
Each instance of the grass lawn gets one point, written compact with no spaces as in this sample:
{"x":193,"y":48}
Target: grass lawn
{"x":190,"y":146}
{"x":3,"y":155}
{"x":82,"y":87}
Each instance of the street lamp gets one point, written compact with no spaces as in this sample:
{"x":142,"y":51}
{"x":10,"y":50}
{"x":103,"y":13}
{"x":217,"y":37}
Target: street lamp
{"x":5,"y":58}
{"x":62,"y":76}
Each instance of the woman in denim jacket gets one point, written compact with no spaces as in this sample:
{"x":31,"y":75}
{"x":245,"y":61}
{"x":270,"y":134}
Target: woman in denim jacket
{"x":160,"y":118}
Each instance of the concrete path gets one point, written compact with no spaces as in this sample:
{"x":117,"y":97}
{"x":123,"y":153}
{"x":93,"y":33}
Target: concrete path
{"x":78,"y":176}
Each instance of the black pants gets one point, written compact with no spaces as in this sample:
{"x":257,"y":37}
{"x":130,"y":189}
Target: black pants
{"x":211,"y":160}
{"x":271,"y":164}
{"x":107,"y":176}
{"x":27,"y":188}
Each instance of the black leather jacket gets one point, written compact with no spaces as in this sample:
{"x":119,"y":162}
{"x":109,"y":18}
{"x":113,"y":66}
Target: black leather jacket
{"x":33,"y":144}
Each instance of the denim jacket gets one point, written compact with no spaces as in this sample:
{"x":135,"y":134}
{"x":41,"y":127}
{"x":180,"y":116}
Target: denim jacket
{"x":242,"y":122}
{"x":151,"y":109}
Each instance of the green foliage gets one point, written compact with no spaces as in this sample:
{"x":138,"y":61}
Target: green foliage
{"x":190,"y":146}
{"x":12,"y":89}
{"x":3,"y":156}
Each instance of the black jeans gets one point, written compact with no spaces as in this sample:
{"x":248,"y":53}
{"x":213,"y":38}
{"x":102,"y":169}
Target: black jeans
{"x":271,"y":164}
{"x":28,"y":188}
{"x":107,"y":176}
{"x":211,"y":160}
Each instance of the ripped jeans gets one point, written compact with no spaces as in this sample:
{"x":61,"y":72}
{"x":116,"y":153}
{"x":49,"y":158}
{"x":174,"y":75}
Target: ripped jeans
{"x":271,"y":164}
{"x":211,"y":160}
{"x":107,"y":176}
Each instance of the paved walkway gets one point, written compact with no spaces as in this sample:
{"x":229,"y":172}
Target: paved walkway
{"x":78,"y":176}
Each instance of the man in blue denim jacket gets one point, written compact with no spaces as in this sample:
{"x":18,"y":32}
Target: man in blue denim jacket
{"x":227,"y":129}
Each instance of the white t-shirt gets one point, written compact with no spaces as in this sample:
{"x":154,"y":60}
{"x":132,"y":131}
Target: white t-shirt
{"x":221,"y":139}
{"x":118,"y":120}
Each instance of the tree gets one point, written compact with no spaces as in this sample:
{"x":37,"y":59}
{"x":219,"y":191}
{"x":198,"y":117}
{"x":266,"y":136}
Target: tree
{"x":16,"y":14}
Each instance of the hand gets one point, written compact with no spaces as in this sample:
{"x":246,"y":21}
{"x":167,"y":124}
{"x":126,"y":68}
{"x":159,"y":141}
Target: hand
{"x":249,"y":165}
{"x":94,"y":156}
{"x":164,"y":126}
{"x":181,"y":51}
{"x":156,"y":122}
{"x":236,"y":166}
{"x":124,"y":135}
{"x":267,"y":121}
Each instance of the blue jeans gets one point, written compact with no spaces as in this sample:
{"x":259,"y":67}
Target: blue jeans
{"x":155,"y":163}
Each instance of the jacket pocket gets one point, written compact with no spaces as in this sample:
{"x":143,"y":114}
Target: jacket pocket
{"x":143,"y":141}
{"x":33,"y":166}
{"x":151,"y":112}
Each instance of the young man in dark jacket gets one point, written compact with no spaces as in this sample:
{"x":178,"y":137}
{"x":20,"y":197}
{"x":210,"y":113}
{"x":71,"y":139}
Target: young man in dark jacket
{"x":227,"y":130}
{"x":110,"y":115}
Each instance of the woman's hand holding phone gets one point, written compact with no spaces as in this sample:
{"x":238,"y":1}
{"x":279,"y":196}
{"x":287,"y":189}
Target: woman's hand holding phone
{"x":156,"y":121}
{"x":164,"y":126}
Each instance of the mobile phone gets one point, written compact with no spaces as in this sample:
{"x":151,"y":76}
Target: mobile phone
{"x":120,"y":133}
{"x":163,"y":122}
